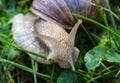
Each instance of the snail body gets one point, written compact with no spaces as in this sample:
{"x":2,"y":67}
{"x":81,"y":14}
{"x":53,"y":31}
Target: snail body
{"x":47,"y":38}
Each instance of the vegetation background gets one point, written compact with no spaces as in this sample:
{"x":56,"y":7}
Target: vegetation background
{"x":98,"y":62}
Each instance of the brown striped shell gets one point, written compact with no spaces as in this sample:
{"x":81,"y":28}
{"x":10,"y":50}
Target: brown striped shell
{"x":61,"y":10}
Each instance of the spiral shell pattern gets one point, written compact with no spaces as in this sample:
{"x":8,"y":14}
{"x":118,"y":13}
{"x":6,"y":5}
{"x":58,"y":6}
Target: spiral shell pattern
{"x":61,"y":10}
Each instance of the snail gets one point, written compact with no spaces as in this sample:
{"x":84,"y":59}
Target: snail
{"x":46,"y":37}
{"x":44,"y":33}
{"x":61,"y":10}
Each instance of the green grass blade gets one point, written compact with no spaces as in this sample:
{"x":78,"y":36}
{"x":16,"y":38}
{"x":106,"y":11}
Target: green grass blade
{"x":35,"y":68}
{"x":111,"y":16}
{"x":102,"y":12}
{"x":89,"y":35}
{"x":97,"y":23}
{"x":23,"y":67}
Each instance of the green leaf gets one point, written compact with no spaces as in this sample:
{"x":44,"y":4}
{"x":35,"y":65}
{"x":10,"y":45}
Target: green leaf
{"x":112,"y":56}
{"x":94,"y":57}
{"x":11,"y":52}
{"x":67,"y":77}
{"x":3,"y":38}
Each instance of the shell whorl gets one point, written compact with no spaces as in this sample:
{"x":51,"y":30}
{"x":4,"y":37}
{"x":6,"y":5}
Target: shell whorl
{"x":61,"y":10}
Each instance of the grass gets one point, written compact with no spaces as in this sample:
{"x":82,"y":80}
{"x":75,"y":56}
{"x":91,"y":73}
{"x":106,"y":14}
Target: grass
{"x":99,"y":60}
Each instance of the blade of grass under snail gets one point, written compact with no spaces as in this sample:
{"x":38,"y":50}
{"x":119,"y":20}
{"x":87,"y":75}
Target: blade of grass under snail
{"x":35,"y":69}
{"x":36,"y":54}
{"x":97,"y":23}
{"x":23,"y":67}
{"x":52,"y":72}
{"x":10,"y":42}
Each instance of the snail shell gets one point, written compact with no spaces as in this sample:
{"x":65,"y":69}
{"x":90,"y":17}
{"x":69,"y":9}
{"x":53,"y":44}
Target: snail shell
{"x":47,"y":38}
{"x":61,"y":10}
